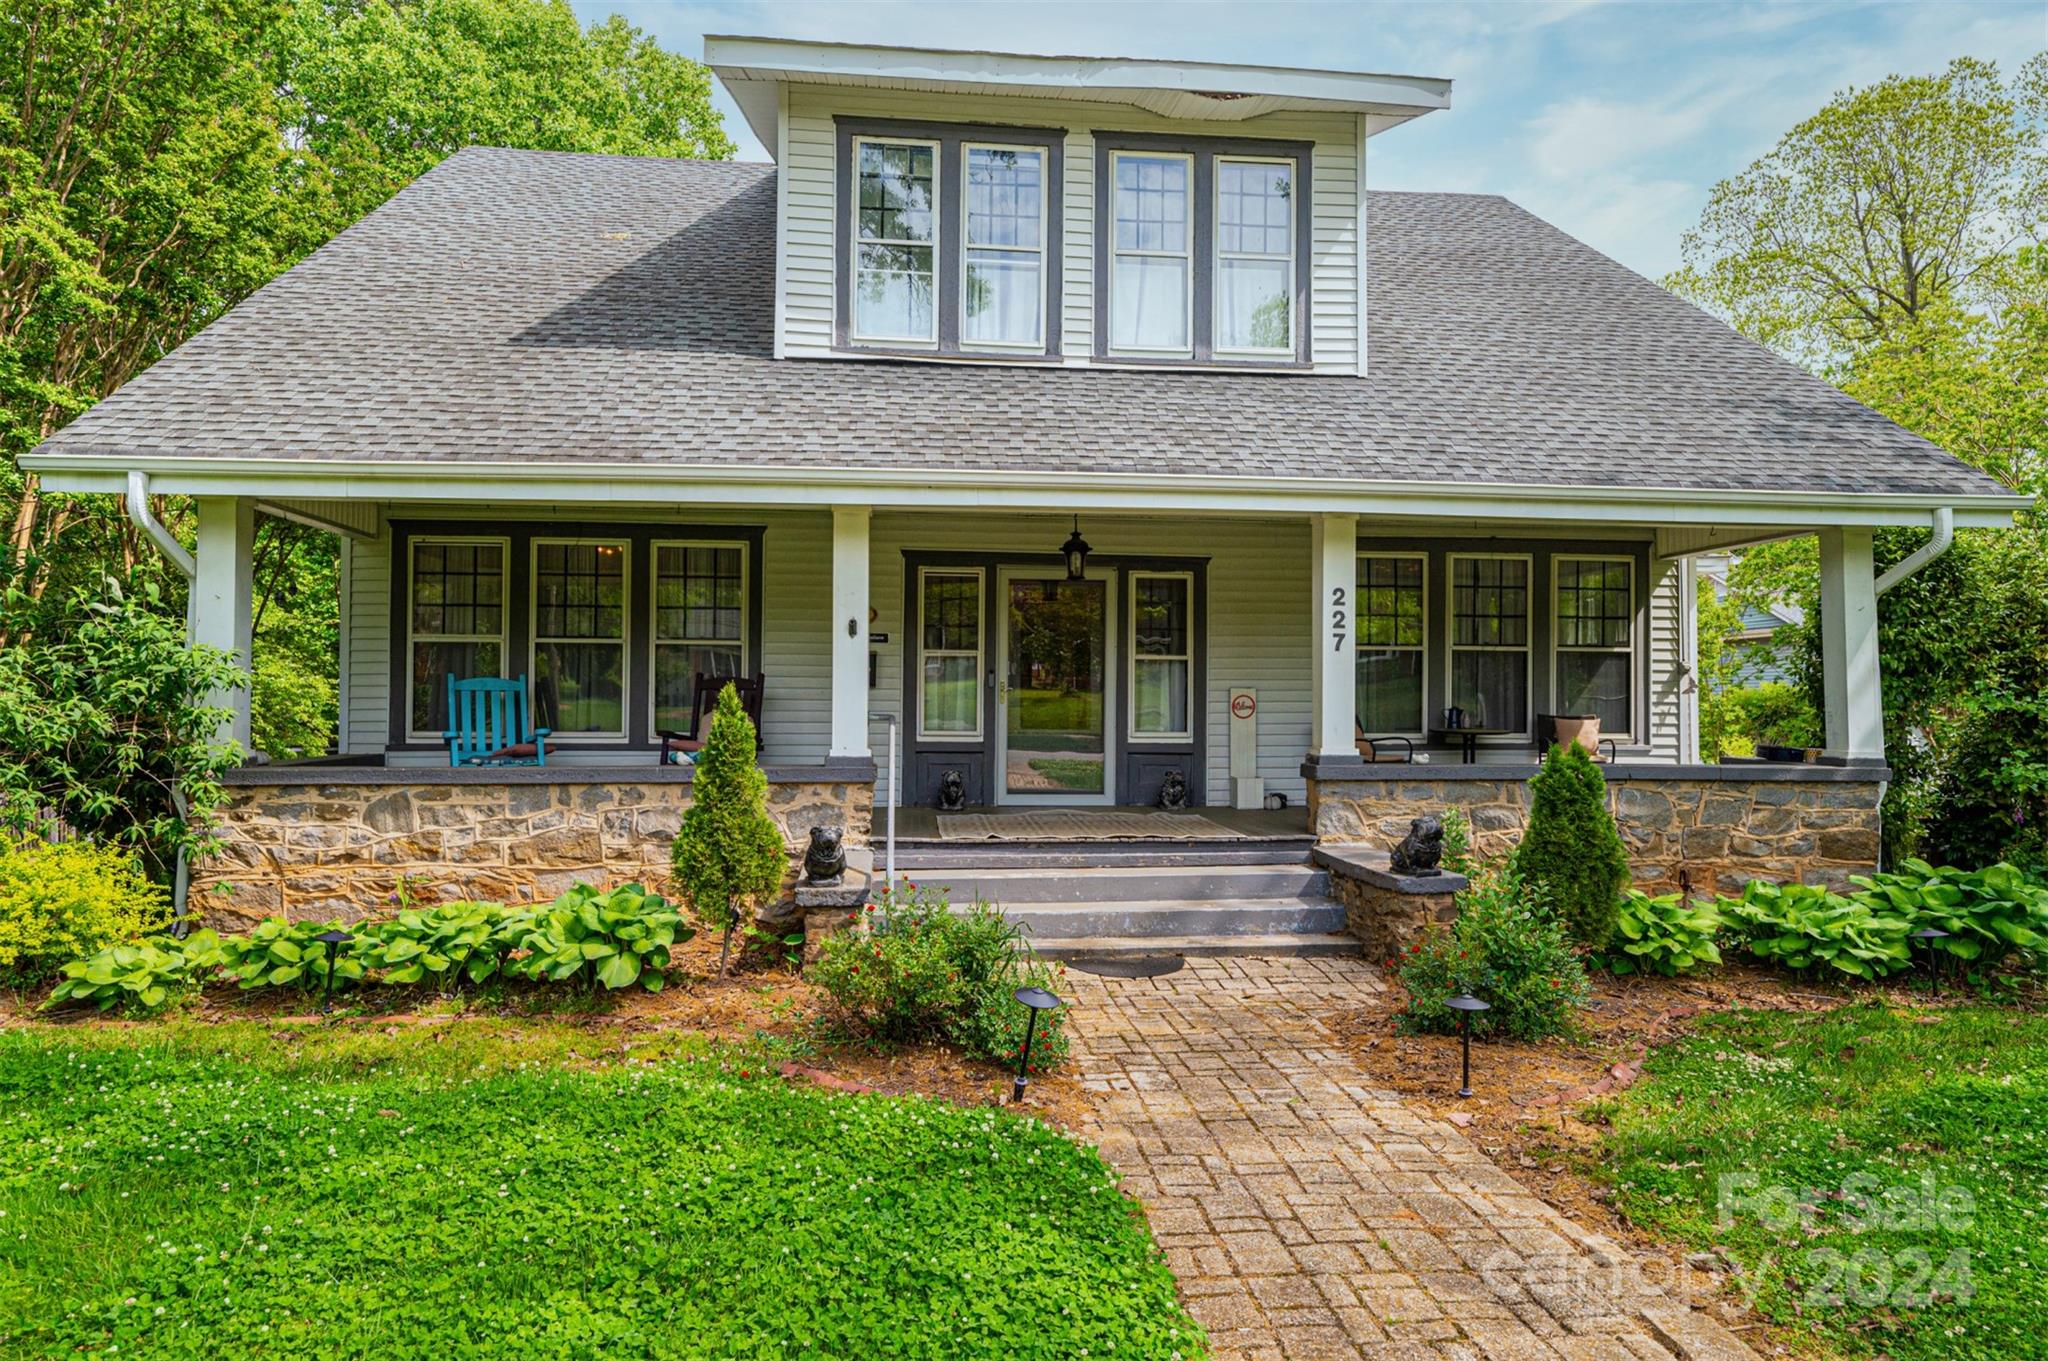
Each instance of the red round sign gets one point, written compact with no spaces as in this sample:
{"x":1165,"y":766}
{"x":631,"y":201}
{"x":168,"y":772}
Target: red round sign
{"x":1243,"y":706}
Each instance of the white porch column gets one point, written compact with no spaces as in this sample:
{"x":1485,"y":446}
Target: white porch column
{"x":1334,"y":563}
{"x":222,"y":594}
{"x":1850,"y":684}
{"x":850,"y":630}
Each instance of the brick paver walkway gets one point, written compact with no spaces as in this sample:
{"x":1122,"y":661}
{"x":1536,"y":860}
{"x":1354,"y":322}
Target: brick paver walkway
{"x":1309,"y":1215}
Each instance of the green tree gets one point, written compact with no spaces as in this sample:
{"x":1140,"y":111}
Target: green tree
{"x":1571,"y":850}
{"x":729,"y":855}
{"x":107,"y":724}
{"x":1893,"y":243}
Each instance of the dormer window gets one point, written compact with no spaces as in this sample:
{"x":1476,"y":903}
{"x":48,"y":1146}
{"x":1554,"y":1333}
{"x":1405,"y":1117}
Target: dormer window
{"x":949,"y":234}
{"x":1200,"y":260}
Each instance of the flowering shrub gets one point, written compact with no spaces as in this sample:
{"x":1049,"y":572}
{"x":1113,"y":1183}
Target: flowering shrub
{"x":63,"y":901}
{"x":923,"y":972}
{"x":1507,"y":949}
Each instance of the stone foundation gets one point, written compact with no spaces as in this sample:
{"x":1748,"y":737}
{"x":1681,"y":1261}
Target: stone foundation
{"x":1717,"y":828}
{"x":340,"y":847}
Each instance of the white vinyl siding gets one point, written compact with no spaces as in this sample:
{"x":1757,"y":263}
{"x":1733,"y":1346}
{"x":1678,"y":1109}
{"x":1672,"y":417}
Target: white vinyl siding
{"x":810,"y":192}
{"x":1667,"y":676}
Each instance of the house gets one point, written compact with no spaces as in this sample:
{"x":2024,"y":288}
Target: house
{"x":1342,"y":460}
{"x":1759,"y":656}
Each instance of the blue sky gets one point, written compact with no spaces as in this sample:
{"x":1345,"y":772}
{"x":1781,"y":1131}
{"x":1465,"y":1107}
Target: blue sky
{"x":1613,"y":120}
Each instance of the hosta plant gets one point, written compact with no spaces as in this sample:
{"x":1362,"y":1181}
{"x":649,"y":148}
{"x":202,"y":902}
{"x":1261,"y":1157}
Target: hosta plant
{"x":616,"y":938}
{"x":1804,"y":926}
{"x":1988,"y":913}
{"x":447,"y":943}
{"x":141,"y":976}
{"x":282,"y":954}
{"x":1663,"y":935}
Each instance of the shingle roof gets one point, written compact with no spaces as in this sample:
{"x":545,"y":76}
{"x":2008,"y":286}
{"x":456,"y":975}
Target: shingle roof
{"x":541,"y":306}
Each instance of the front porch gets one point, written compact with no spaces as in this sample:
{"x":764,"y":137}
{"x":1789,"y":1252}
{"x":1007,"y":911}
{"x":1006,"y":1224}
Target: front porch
{"x":1228,"y":659}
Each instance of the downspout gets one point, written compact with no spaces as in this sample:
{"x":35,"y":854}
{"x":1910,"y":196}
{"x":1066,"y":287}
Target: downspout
{"x":1944,"y":535}
{"x":167,"y":544}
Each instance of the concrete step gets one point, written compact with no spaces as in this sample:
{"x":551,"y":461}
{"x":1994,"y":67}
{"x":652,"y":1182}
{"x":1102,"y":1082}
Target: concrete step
{"x":1289,"y":943}
{"x":1102,"y":885}
{"x":1165,"y":919}
{"x":922,"y":859}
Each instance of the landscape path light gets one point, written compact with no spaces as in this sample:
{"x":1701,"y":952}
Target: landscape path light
{"x":1465,"y":1006}
{"x":1927,"y":935}
{"x":333,"y":940}
{"x":1037,"y":999}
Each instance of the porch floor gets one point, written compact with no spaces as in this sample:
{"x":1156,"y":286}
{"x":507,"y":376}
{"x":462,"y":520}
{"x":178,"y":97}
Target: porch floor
{"x":921,"y":826}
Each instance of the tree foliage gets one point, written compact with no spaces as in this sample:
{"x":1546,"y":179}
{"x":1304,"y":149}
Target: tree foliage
{"x":108,"y":723}
{"x":729,"y":854}
{"x":1894,"y":243}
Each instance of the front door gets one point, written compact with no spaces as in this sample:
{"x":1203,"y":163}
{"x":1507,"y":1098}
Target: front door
{"x":1054,"y":710}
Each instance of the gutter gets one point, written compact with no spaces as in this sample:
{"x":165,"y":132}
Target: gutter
{"x":1944,"y":525}
{"x":167,"y":544}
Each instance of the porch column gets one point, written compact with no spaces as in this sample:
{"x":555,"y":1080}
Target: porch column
{"x":221,"y":596}
{"x":850,"y":630}
{"x":1334,"y":557}
{"x":1850,"y":686}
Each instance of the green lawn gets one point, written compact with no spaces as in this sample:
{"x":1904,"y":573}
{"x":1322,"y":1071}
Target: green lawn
{"x":1869,"y":1117}
{"x":485,"y":1189}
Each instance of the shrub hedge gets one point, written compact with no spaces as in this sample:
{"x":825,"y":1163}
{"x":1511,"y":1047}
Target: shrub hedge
{"x":60,"y":901}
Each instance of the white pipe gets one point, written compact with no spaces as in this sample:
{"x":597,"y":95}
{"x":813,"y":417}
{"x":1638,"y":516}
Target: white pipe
{"x":167,"y":544}
{"x":1944,"y":535}
{"x":165,"y":541}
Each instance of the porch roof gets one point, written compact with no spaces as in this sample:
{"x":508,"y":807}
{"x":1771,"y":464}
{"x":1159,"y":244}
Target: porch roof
{"x":588,"y":315}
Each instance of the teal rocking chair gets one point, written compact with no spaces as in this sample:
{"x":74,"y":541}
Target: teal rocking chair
{"x":492,"y":724}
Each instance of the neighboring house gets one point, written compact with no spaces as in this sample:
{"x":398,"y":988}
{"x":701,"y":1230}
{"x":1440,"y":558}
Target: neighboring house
{"x":1753,"y":646}
{"x":1343,"y":458}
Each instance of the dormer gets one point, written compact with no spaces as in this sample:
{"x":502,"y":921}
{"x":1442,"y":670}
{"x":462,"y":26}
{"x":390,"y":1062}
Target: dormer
{"x":979,"y":207}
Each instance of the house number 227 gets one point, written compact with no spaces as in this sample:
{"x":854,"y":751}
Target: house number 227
{"x":1340,"y":619}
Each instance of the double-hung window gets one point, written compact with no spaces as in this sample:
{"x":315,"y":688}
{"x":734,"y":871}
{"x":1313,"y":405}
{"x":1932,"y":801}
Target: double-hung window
{"x":1202,"y":251}
{"x":579,"y":636}
{"x":700,"y":623}
{"x":455,"y":623}
{"x":948,"y":238}
{"x":1392,"y":605}
{"x":1595,"y":639}
{"x":1002,"y":291}
{"x":1151,"y":308}
{"x":1254,"y":257}
{"x":949,"y":688}
{"x":896,"y":223}
{"x":1162,"y":656}
{"x":1489,"y":613}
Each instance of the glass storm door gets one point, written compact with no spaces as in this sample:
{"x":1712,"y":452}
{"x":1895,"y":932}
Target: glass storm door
{"x":1052,"y":696}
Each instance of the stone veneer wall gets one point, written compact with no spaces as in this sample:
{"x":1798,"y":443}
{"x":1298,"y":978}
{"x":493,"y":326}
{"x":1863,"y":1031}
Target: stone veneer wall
{"x":338,"y":848}
{"x":1812,"y":826}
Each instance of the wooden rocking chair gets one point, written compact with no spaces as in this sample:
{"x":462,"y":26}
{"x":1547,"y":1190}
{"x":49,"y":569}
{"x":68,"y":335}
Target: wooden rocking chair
{"x":492,"y":721}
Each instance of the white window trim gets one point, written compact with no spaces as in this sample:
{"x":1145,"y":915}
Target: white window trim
{"x":654,"y":639}
{"x":1187,"y":253}
{"x":1358,"y":614}
{"x":854,"y":242}
{"x":412,"y":548}
{"x":1528,"y":647}
{"x":1218,"y":255}
{"x":1037,"y":344}
{"x":980,"y":653}
{"x":534,"y":640}
{"x":1627,"y":650}
{"x":1131,"y":732}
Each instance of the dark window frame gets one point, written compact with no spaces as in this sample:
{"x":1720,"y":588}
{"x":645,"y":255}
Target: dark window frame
{"x":949,"y":251}
{"x":1202,"y":204}
{"x":518,"y":537}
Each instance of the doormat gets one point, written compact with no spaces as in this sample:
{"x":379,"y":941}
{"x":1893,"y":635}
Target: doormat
{"x":1144,"y":966}
{"x":1083,"y":824}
